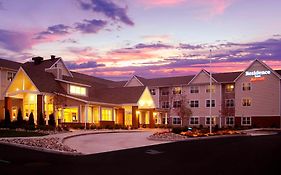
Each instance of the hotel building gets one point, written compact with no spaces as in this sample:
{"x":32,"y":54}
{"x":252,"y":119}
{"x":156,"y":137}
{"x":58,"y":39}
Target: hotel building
{"x":250,"y":98}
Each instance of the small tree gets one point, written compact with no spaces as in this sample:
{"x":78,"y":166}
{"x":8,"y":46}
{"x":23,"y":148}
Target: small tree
{"x":41,"y":120}
{"x":31,"y":124}
{"x":52,"y":121}
{"x":7,"y":121}
{"x":19,"y":118}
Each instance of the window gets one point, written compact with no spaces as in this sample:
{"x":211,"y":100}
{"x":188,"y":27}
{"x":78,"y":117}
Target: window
{"x":207,"y":120}
{"x":165,"y":104}
{"x":153,"y":91}
{"x":246,"y":121}
{"x":246,"y":86}
{"x":176,"y":120}
{"x":229,"y":120}
{"x":106,"y":114}
{"x":246,"y":102}
{"x":229,"y":88}
{"x":229,"y":103}
{"x":208,"y":103}
{"x":194,"y":103}
{"x":176,"y":104}
{"x":212,"y":89}
{"x":177,"y":90}
{"x":165,"y":92}
{"x":194,"y":89}
{"x":77,"y":90}
{"x":194,"y":121}
{"x":10,"y":76}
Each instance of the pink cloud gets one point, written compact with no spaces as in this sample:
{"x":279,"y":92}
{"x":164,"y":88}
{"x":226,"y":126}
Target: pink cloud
{"x":152,"y":3}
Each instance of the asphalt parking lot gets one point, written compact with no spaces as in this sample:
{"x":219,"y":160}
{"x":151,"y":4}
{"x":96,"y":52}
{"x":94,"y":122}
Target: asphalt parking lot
{"x":234,"y":155}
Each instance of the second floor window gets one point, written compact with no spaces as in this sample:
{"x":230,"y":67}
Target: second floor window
{"x":229,"y":103}
{"x":246,"y":86}
{"x":77,"y":90}
{"x":208,"y":103}
{"x":176,"y":104}
{"x":10,"y":76}
{"x":246,"y":102}
{"x":165,"y":104}
{"x":194,"y":89}
{"x":194,"y":103}
{"x":177,"y":90}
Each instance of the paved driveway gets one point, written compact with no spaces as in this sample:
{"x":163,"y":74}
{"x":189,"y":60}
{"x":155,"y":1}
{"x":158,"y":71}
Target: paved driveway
{"x":104,"y":142}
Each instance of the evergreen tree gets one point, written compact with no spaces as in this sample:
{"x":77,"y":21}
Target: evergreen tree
{"x":7,"y":121}
{"x":19,"y":118}
{"x":52,"y":121}
{"x":31,"y":124}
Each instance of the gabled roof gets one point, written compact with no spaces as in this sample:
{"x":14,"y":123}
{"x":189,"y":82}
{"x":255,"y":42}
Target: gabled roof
{"x":205,"y":72}
{"x":9,"y":64}
{"x":139,"y":79}
{"x":44,"y":81}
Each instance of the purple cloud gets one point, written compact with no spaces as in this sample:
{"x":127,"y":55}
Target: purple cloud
{"x":59,"y":29}
{"x":109,"y":9}
{"x":88,"y":64}
{"x":14,"y":41}
{"x":91,"y":26}
{"x":190,"y":47}
{"x":153,"y":46}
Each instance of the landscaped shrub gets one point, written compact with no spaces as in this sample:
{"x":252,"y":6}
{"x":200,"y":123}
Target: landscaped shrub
{"x":7,"y":121}
{"x":31,"y":124}
{"x":52,"y":121}
{"x":40,"y":120}
{"x":177,"y":130}
{"x":19,"y":119}
{"x":93,"y":126}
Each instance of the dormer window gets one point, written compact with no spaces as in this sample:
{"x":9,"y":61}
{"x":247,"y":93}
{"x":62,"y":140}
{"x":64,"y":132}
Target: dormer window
{"x":77,"y":90}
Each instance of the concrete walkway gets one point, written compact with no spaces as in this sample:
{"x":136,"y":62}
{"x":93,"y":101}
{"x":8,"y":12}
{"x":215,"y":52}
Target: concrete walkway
{"x":104,"y":142}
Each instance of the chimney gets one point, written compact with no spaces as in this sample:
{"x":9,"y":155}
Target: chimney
{"x":37,"y":60}
{"x":53,"y":57}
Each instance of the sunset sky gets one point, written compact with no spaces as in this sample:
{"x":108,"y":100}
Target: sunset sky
{"x":116,"y":39}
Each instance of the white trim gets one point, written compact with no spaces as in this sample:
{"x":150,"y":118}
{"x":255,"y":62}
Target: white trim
{"x":213,"y":119}
{"x":131,"y":80}
{"x":60,"y":59}
{"x":70,"y":82}
{"x":229,"y":117}
{"x":203,"y":70}
{"x":246,"y":98}
{"x":262,"y":63}
{"x":189,"y":88}
{"x":189,"y":101}
{"x":176,"y":117}
{"x":225,"y":106}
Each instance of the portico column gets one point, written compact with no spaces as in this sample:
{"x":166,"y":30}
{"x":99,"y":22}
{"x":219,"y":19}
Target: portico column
{"x":86,"y":115}
{"x":8,"y":105}
{"x":40,"y":105}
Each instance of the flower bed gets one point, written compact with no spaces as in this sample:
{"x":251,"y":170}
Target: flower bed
{"x":166,"y":136}
{"x":52,"y":143}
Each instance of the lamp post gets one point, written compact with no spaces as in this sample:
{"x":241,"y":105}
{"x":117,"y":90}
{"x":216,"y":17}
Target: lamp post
{"x":210,"y":91}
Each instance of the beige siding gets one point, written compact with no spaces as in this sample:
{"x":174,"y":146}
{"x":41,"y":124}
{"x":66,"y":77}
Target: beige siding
{"x":133,"y":82}
{"x":263,"y":94}
{"x":4,"y":82}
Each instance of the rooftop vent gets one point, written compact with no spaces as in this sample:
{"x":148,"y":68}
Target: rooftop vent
{"x":37,"y":60}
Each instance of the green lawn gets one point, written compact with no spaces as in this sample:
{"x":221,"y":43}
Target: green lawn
{"x":14,"y":133}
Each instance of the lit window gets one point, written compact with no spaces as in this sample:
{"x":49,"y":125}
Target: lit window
{"x":165,"y":104}
{"x":106,"y":114}
{"x":176,"y":104}
{"x":177,"y":90}
{"x":246,"y":121}
{"x":208,"y":103}
{"x":207,"y":120}
{"x":229,"y":120}
{"x":10,"y":76}
{"x":153,"y":91}
{"x":194,"y":89}
{"x":229,"y":103}
{"x":246,"y":86}
{"x":77,"y":90}
{"x":176,"y":120}
{"x":212,"y":89}
{"x":194,"y":103}
{"x":246,"y":102}
{"x":194,"y":121}
{"x":229,"y":88}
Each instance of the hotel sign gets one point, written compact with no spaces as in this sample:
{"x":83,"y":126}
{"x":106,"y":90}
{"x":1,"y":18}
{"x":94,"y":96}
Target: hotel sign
{"x":257,"y":75}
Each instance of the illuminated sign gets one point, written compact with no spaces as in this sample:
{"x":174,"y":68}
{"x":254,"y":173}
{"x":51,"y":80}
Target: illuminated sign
{"x":257,"y":74}
{"x":257,"y":79}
